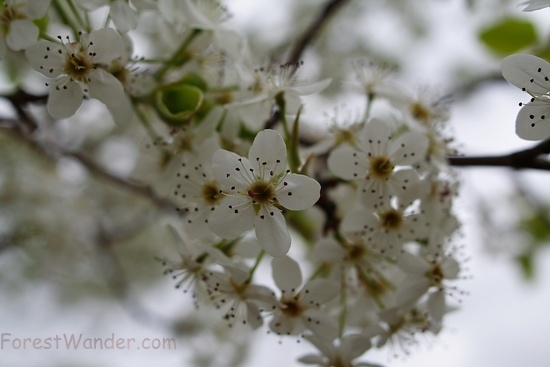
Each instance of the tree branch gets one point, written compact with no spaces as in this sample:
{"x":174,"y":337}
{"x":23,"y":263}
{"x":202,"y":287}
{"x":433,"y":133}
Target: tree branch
{"x":54,"y":152}
{"x":314,"y":29}
{"x":523,"y":159}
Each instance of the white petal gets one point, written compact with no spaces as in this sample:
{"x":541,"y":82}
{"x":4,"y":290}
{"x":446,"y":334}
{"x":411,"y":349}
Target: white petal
{"x":527,"y":72}
{"x":37,"y":8}
{"x":253,"y":315}
{"x":374,"y":192}
{"x":375,"y":136}
{"x":324,"y":346}
{"x":232,"y":217}
{"x":231,"y":171}
{"x":310,"y":88}
{"x":283,"y":325}
{"x":318,"y":292}
{"x":436,"y":305}
{"x":412,"y":264}
{"x":409,"y":149}
{"x":45,"y":58}
{"x":286,"y":274}
{"x":347,"y":163}
{"x":195,"y":17}
{"x":65,"y":98}
{"x":321,"y":324}
{"x":267,"y":155}
{"x":353,"y":346}
{"x":411,"y":290}
{"x":450,"y":267}
{"x":106,"y":44}
{"x":124,"y":17}
{"x":406,"y":185}
{"x":533,"y":121}
{"x":22,"y":33}
{"x":105,"y":87}
{"x":298,"y":192}
{"x":328,"y":250}
{"x":271,"y":231}
{"x":359,"y":222}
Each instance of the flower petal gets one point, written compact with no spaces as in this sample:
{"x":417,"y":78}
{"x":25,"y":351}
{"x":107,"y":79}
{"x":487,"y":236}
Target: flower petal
{"x":410,"y":148}
{"x":65,"y":98}
{"x":22,"y":33}
{"x":46,"y":58}
{"x":106,"y":44}
{"x":533,"y":121}
{"x":347,"y":163}
{"x":123,"y":16}
{"x":318,"y":292}
{"x":286,"y":274}
{"x":231,"y":171}
{"x":298,"y":192}
{"x":232,"y":217}
{"x":527,"y":72}
{"x":105,"y":87}
{"x":375,"y":137}
{"x":267,"y":155}
{"x":321,"y":324}
{"x":271,"y":231}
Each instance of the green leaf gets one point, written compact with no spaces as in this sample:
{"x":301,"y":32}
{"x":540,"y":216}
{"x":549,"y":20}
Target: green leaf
{"x":508,"y":35}
{"x":525,"y":262}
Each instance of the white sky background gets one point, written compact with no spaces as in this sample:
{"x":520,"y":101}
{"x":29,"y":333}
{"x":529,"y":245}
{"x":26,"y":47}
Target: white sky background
{"x":503,"y":322}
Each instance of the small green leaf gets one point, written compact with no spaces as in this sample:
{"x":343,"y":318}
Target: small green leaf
{"x":525,"y":262}
{"x":508,"y":35}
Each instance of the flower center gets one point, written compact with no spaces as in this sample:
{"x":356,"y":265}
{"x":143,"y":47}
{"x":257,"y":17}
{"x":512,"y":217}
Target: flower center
{"x":78,"y":65}
{"x":420,"y":112}
{"x":381,"y":167}
{"x":8,"y":15}
{"x":261,"y":192}
{"x":391,"y":219}
{"x":292,"y":308}
{"x":211,"y":193}
{"x":435,"y":274}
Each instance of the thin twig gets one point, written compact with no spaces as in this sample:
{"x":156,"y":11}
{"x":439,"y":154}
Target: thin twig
{"x":314,"y":29}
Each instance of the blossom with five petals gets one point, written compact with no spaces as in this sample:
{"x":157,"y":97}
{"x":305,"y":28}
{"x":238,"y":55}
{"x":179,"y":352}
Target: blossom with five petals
{"x":257,"y":190}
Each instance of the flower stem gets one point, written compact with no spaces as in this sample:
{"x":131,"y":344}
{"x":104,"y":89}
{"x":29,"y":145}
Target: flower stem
{"x":343,"y":305}
{"x":65,"y":17}
{"x":256,"y":264}
{"x":176,"y":59}
{"x":74,"y":10}
{"x":368,"y":107}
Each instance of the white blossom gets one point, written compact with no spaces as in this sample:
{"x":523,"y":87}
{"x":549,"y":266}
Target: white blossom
{"x":256,"y":188}
{"x":375,"y":160}
{"x":17,"y":30}
{"x":299,"y":307}
{"x":79,"y":69}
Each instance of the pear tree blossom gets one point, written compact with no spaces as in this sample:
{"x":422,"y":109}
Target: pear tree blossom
{"x":257,"y":188}
{"x":79,"y":70}
{"x":530,"y":74}
{"x":17,"y":30}
{"x":373,"y":164}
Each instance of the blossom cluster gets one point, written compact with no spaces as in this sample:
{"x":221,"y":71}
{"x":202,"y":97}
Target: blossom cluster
{"x":355,"y":224}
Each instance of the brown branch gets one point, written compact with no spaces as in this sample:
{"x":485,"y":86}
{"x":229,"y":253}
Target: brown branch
{"x":523,"y":159}
{"x":314,"y":29}
{"x":54,"y":152}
